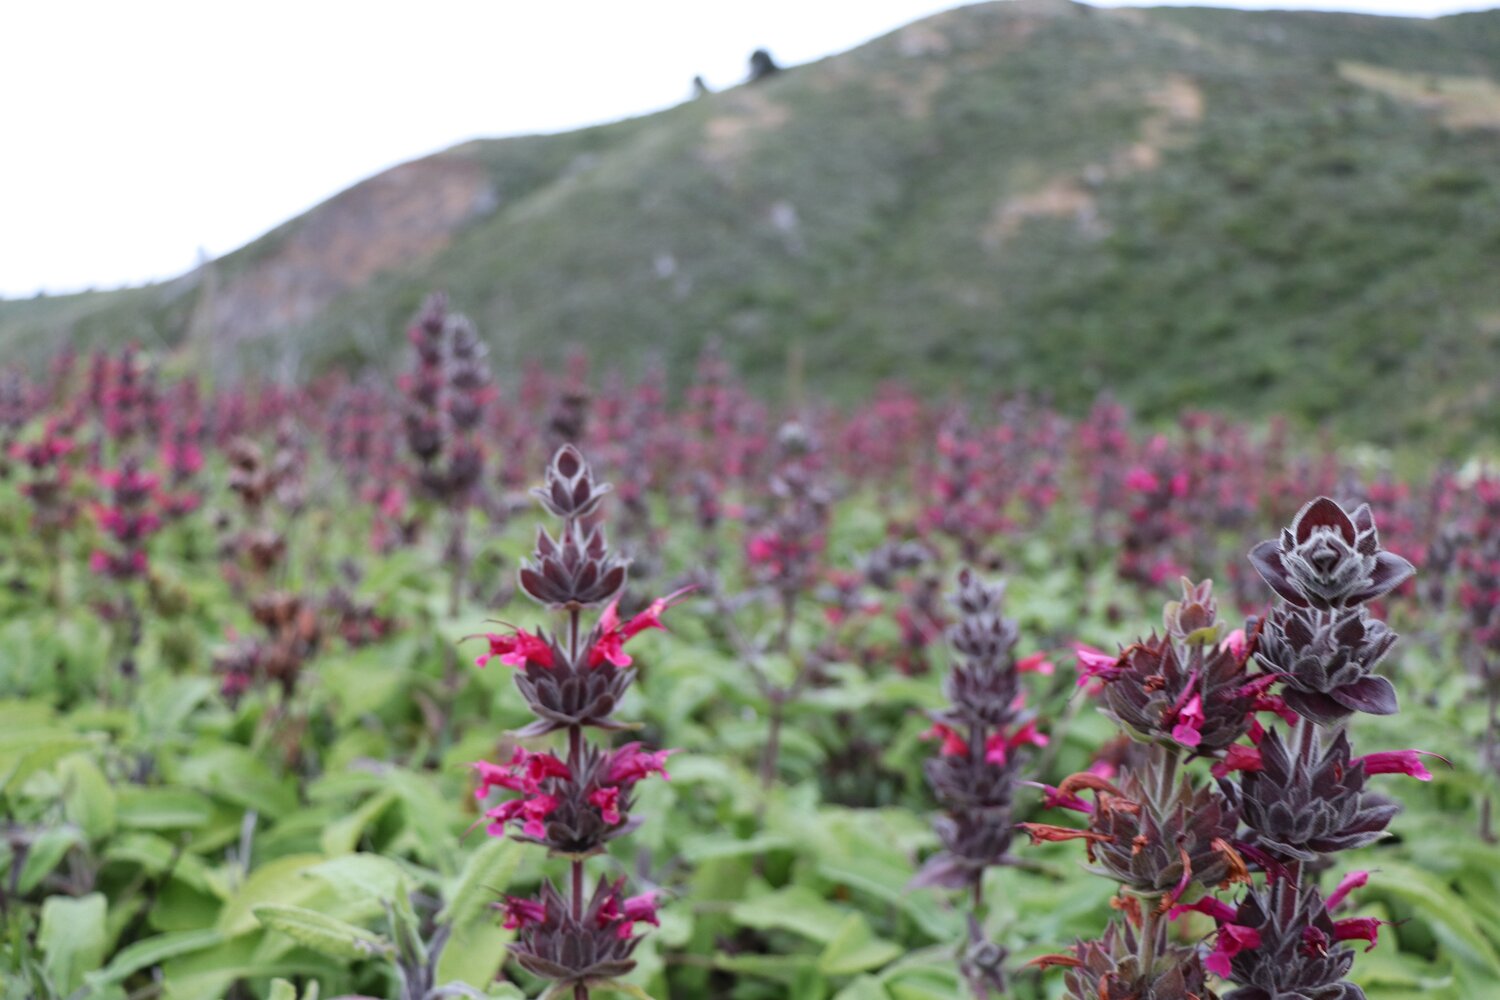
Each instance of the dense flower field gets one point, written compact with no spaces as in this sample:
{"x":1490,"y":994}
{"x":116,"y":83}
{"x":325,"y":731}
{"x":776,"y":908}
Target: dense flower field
{"x":461,"y":686}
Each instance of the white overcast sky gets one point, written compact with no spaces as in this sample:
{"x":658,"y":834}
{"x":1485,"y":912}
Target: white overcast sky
{"x":138,"y":131}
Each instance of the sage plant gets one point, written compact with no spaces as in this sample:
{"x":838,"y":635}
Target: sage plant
{"x":977,"y":769}
{"x":447,"y":392}
{"x":1280,"y":805}
{"x":1303,"y":797}
{"x":573,"y":679}
{"x":1160,"y":832}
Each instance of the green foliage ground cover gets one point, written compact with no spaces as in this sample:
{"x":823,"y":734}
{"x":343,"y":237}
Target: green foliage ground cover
{"x":160,"y":841}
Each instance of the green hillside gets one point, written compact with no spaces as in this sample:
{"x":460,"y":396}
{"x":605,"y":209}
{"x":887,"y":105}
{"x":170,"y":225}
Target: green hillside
{"x":1271,"y":212}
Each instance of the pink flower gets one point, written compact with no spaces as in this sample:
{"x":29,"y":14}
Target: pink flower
{"x":762,"y":549}
{"x":1354,"y":880}
{"x":607,"y":799}
{"x":1036,"y":663}
{"x":1221,"y":911}
{"x":1232,"y":940}
{"x":537,"y":767}
{"x":1095,"y":663}
{"x":1275,"y":703}
{"x":1053,"y":799}
{"x":520,"y":913}
{"x":1357,"y":929}
{"x":1104,"y":768}
{"x":531,"y":812}
{"x":1398,"y":762}
{"x":609,"y":648}
{"x":1141,"y":480}
{"x":1235,"y":644}
{"x":953,"y":744}
{"x":495,"y":776}
{"x":629,"y":764}
{"x":997,"y":748}
{"x":638,"y":909}
{"x":1189,"y":719}
{"x":612,"y":634}
{"x":651,"y":617}
{"x":1238,"y":758}
{"x":517,"y":650}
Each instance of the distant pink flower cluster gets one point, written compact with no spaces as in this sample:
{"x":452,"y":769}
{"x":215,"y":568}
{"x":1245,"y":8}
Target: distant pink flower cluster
{"x":128,"y":518}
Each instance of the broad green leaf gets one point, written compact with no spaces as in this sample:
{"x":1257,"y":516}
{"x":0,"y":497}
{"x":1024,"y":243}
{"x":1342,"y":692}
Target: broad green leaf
{"x":157,"y":855}
{"x":25,"y":751}
{"x":47,"y":852}
{"x":163,"y":809}
{"x":322,"y":933}
{"x":473,"y":953}
{"x":1441,"y":909}
{"x":343,"y":836}
{"x":483,"y":881}
{"x":281,"y":989}
{"x":796,"y":908}
{"x":207,"y":974}
{"x":72,"y":938}
{"x":152,"y":952}
{"x":626,"y":989}
{"x":855,"y":948}
{"x":704,"y":847}
{"x":783,"y":968}
{"x":88,"y":798}
{"x":407,"y":930}
{"x":368,"y":877}
{"x":280,"y":881}
{"x":863,"y":988}
{"x":165,"y":703}
{"x":236,"y":775}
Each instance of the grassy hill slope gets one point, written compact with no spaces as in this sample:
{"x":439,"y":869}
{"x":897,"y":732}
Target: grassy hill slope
{"x":1270,"y":212}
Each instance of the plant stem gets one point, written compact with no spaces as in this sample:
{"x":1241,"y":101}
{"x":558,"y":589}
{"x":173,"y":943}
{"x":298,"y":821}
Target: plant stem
{"x":575,"y":756}
{"x":1150,"y":920}
{"x":458,"y":561}
{"x":1166,"y":777}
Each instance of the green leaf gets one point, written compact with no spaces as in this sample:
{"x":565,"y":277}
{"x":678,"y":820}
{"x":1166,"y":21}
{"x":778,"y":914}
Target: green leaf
{"x":328,"y":935}
{"x":88,"y":799}
{"x":281,"y":989}
{"x":863,"y":988}
{"x":28,"y":749}
{"x":407,"y":930}
{"x":279,"y":881}
{"x":484,"y":879}
{"x":208,"y":973}
{"x":344,"y":835}
{"x":1440,"y":908}
{"x":152,"y":952}
{"x":704,"y":847}
{"x":363,"y":877}
{"x":783,"y":968}
{"x":796,"y":908}
{"x":72,"y":938}
{"x":629,"y":989}
{"x":235,"y":774}
{"x":166,"y":702}
{"x":47,"y":852}
{"x":474,"y":953}
{"x":855,"y":948}
{"x":163,"y":809}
